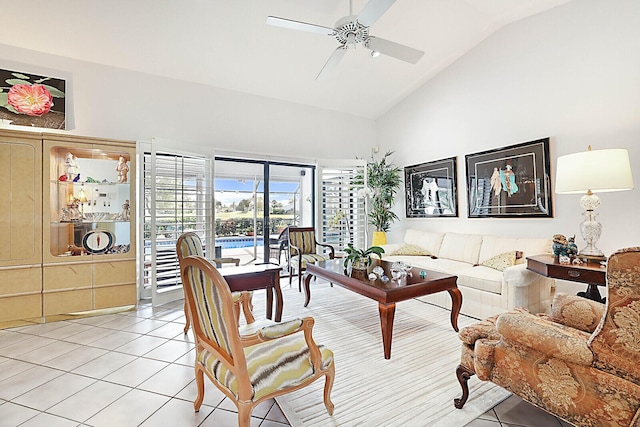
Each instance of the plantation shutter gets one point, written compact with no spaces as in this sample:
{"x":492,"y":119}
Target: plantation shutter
{"x":178,"y":197}
{"x":342,"y":217}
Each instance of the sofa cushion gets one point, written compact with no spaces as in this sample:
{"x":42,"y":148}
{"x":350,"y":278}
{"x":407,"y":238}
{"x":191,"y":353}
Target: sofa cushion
{"x":461,"y":247}
{"x":413,"y":250}
{"x":481,"y":278}
{"x":502,"y":261}
{"x":492,"y":246}
{"x":442,"y":265}
{"x":425,"y":239}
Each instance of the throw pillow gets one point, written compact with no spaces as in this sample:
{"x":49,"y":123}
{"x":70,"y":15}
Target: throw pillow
{"x":411,"y":250}
{"x":502,"y":261}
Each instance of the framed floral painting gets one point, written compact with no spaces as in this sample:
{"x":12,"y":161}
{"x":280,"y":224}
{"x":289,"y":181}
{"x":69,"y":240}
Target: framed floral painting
{"x":431,"y":189}
{"x":511,"y":181}
{"x":32,"y":100}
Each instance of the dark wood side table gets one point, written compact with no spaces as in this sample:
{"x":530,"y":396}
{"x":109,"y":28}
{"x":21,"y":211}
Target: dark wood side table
{"x":593,"y":275}
{"x":255,"y":277}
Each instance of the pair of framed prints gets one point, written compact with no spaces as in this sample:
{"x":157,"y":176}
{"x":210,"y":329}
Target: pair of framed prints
{"x":512,"y":181}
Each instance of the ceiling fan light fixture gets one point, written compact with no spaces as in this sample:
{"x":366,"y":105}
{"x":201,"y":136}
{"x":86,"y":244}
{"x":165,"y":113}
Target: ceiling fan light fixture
{"x":351,"y":42}
{"x":375,"y":53}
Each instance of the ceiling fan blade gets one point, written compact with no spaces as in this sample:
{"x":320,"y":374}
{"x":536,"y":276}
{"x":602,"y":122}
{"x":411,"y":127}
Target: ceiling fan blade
{"x":396,"y":50}
{"x":373,"y":11}
{"x":300,"y":26}
{"x":331,"y":63}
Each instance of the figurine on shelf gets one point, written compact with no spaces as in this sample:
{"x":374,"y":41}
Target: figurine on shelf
{"x":75,"y":250}
{"x":74,"y":210}
{"x":71,"y":166}
{"x":65,"y":215}
{"x":123,"y":169}
{"x":125,"y":215}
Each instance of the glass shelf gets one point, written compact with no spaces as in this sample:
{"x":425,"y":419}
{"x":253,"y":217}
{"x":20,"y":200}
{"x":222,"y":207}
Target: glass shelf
{"x":81,"y":209}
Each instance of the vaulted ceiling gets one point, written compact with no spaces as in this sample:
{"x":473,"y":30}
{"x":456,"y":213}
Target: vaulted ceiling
{"x":227,"y":44}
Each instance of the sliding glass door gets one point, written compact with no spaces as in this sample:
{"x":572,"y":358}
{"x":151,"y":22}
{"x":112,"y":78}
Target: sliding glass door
{"x":255,"y":200}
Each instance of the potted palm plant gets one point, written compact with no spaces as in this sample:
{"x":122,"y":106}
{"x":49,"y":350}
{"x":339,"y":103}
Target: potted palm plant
{"x":383,"y":182}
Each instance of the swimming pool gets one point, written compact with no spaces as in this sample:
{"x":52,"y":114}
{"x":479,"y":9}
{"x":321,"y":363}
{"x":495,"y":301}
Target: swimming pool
{"x":234,"y":242}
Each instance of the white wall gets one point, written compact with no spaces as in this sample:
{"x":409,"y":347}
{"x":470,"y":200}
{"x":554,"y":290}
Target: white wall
{"x":572,"y":73}
{"x":114,"y":103}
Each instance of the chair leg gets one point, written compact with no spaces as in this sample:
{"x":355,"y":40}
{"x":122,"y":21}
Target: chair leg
{"x":299,"y":279}
{"x":188,"y":319}
{"x":328,"y":385}
{"x":244,"y":414}
{"x":463,"y":373}
{"x":200,"y":385}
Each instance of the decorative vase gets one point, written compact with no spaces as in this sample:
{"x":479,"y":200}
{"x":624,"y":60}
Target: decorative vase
{"x":360,"y":263}
{"x":379,"y":238}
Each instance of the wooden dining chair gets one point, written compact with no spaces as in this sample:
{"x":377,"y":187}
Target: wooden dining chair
{"x":190,"y":244}
{"x":303,"y":248}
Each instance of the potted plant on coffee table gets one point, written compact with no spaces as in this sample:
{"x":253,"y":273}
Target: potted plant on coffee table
{"x":360,"y":259}
{"x":383,"y":182}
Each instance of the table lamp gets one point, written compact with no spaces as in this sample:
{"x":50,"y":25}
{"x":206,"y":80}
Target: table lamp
{"x":589,"y":172}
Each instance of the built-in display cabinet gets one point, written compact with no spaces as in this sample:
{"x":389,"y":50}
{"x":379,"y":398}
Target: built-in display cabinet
{"x":84,"y":230}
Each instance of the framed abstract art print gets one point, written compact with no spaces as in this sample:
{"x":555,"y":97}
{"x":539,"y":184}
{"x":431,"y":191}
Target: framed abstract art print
{"x":511,"y":181}
{"x":431,"y":189}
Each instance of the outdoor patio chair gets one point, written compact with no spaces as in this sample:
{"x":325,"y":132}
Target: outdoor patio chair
{"x":190,"y":244}
{"x":303,"y":248}
{"x":280,"y":245}
{"x":248,"y":368}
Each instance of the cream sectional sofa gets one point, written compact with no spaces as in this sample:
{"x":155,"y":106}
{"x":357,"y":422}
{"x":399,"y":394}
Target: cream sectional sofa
{"x":485,"y":291}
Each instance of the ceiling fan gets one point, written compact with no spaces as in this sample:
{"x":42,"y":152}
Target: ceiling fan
{"x":351,"y":30}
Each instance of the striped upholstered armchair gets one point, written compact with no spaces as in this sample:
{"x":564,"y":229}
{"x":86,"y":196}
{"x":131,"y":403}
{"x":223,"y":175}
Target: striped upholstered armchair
{"x":303,"y":248}
{"x":190,"y":244}
{"x":248,"y":368}
{"x":580,"y":363}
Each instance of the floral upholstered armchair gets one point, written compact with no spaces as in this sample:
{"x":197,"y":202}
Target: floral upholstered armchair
{"x":580,"y":363}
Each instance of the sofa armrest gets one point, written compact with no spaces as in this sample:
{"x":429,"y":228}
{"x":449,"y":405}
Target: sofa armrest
{"x":518,"y":275}
{"x":524,"y":288}
{"x":551,"y":339}
{"x":576,"y":312}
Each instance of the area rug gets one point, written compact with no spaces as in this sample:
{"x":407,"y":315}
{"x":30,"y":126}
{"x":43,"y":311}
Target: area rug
{"x":416,"y":387}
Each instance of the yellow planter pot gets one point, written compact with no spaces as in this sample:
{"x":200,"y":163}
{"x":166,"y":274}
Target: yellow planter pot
{"x":379,"y":238}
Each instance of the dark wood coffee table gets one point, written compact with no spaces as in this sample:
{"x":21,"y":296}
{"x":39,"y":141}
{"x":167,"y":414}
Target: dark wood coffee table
{"x":387,"y":294}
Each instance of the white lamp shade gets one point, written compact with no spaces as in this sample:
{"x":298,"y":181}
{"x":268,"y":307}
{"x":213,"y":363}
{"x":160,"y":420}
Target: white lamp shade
{"x":596,"y":170}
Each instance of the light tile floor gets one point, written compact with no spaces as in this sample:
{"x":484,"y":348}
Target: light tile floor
{"x":136,"y":369}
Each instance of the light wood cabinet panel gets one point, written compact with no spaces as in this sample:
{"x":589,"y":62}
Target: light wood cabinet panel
{"x":67,"y":302}
{"x":20,"y":227}
{"x":20,"y":198}
{"x":20,"y":280}
{"x":115,"y":296}
{"x":114,"y":272}
{"x":68,"y":277}
{"x":21,"y":293}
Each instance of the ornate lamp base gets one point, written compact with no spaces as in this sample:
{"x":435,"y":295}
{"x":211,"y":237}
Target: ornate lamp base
{"x":591,"y":230}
